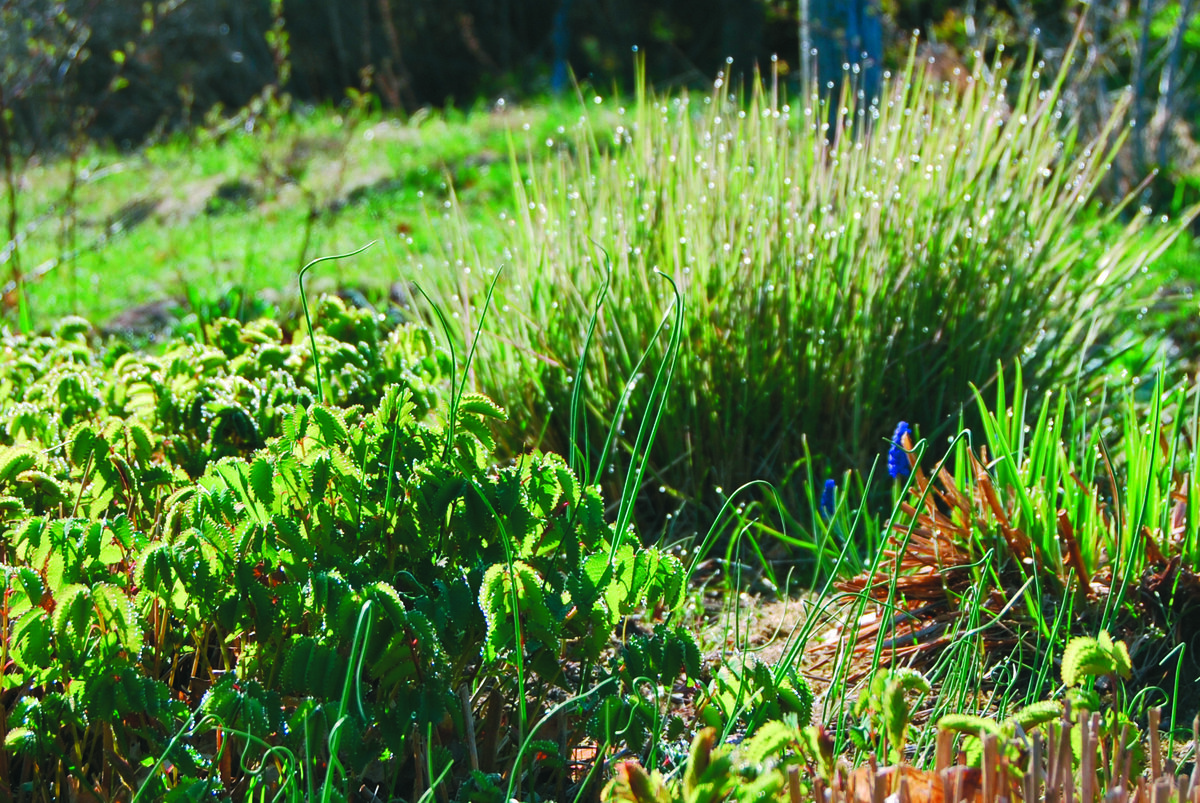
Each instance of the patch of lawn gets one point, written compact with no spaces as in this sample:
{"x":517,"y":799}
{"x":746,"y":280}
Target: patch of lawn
{"x":201,"y":213}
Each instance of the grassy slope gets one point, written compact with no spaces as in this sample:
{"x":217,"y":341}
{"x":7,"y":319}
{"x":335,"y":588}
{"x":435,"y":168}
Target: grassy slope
{"x":153,"y":223}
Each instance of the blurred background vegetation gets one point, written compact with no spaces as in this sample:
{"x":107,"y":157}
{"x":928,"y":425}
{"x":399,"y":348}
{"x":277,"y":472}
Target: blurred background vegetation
{"x":124,"y":71}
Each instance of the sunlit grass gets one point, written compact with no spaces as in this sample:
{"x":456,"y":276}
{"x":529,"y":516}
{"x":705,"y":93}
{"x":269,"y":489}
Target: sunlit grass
{"x":152,"y":224}
{"x":837,"y":278}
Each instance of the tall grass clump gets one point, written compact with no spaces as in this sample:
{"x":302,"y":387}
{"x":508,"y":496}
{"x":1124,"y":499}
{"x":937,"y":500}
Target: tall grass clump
{"x":841,"y":269}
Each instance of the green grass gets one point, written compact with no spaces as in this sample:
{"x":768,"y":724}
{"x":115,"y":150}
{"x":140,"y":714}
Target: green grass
{"x":366,"y":177}
{"x":257,"y":500}
{"x":833,"y":282}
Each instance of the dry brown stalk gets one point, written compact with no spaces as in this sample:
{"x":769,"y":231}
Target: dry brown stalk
{"x":1047,"y":774}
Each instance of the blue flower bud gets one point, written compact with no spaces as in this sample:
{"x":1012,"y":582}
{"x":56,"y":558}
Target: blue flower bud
{"x":898,"y":465}
{"x":827,"y":498}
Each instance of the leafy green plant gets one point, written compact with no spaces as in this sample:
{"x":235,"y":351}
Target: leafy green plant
{"x":1017,"y":724}
{"x":886,"y":710}
{"x":1095,"y":656}
{"x":335,"y":520}
{"x":111,"y":428}
{"x":749,"y":696}
{"x":1108,"y":725}
{"x":762,"y":768}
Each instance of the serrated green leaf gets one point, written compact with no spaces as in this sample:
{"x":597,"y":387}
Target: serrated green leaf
{"x":83,"y":442}
{"x":396,"y":408}
{"x":542,"y":487}
{"x":129,"y":694}
{"x":1085,"y":656}
{"x":22,"y":741}
{"x":768,"y":742}
{"x":32,"y":584}
{"x":587,"y":581}
{"x":496,"y":599}
{"x":236,"y":476}
{"x":292,"y":674}
{"x":39,"y":485}
{"x":14,"y":460}
{"x":62,"y":567}
{"x":31,"y":640}
{"x":330,"y":425}
{"x":478,"y":429}
{"x":262,"y":481}
{"x":117,"y":614}
{"x":892,"y":703}
{"x":969,"y":724}
{"x":329,"y":589}
{"x":288,"y":535}
{"x":153,"y":570}
{"x":140,"y":440}
{"x":908,"y":680}
{"x":73,"y":615}
{"x":567,"y":481}
{"x":445,"y":495}
{"x":492,"y":593}
{"x":1037,"y":714}
{"x":294,"y":426}
{"x":1122,"y":663}
{"x":115,"y":540}
{"x":796,"y":695}
{"x":478,"y":404}
{"x":327,"y":672}
{"x":664,"y":584}
{"x":389,"y":602}
{"x":10,"y":508}
{"x":320,"y":473}
{"x":622,"y":595}
{"x":394,"y":664}
{"x":221,"y":699}
{"x":313,"y":669}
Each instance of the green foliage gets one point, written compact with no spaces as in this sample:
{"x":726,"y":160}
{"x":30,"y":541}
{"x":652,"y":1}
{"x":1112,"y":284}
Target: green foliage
{"x":328,"y":581}
{"x":1112,"y":726}
{"x":1094,"y":656}
{"x":96,"y":430}
{"x":204,"y":564}
{"x":759,"y":769}
{"x":752,"y":694}
{"x":963,"y":238}
{"x":886,"y":708}
{"x":1068,"y":519}
{"x":1017,"y":724}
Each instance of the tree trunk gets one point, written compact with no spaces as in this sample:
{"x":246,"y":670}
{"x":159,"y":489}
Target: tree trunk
{"x":847,"y":36}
